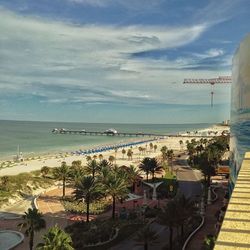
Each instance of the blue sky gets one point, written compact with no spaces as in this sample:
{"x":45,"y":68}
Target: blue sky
{"x":116,"y":60}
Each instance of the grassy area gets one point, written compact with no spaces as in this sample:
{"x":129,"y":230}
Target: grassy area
{"x":23,"y":184}
{"x":97,"y":207}
{"x":168,"y":175}
{"x":84,"y":233}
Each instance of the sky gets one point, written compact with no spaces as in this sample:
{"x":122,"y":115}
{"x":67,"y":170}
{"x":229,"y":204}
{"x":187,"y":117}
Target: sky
{"x":117,"y":61}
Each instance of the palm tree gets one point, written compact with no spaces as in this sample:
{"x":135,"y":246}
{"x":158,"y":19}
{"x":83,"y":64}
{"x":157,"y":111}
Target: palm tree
{"x":116,"y":150}
{"x":75,"y":174}
{"x":95,"y":157}
{"x":154,"y":167}
{"x":76,"y":164}
{"x":88,"y":158}
{"x":44,"y":171}
{"x":164,"y":149}
{"x":133,"y":174}
{"x":55,"y":239}
{"x":155,"y":147}
{"x":123,"y":152}
{"x":62,"y":173}
{"x":115,"y":184}
{"x":151,"y":146}
{"x":146,"y":236}
{"x":91,"y":168}
{"x":111,"y":159}
{"x":186,"y":208}
{"x":100,"y":156}
{"x":87,"y":191}
{"x":130,"y":154}
{"x":170,"y":157}
{"x":32,"y":221}
{"x":145,"y":166}
{"x":170,"y":217}
{"x":181,"y":144}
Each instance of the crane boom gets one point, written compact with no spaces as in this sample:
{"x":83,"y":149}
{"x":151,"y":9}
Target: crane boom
{"x":218,"y":80}
{"x":211,"y":81}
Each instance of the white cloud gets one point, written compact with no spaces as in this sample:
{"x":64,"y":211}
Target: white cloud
{"x":214,"y":52}
{"x":90,"y":63}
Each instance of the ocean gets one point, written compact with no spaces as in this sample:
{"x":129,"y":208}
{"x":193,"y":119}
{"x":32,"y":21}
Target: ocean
{"x":35,"y":138}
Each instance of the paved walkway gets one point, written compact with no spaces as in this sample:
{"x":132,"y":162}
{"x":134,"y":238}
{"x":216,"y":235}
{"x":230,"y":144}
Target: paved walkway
{"x":210,"y":222}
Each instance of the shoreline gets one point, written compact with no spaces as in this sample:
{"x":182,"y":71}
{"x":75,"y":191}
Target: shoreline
{"x":51,"y":159}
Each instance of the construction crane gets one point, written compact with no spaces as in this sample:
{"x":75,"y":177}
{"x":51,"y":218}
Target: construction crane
{"x":212,"y":82}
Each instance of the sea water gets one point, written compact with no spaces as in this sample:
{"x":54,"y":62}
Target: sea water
{"x":37,"y":138}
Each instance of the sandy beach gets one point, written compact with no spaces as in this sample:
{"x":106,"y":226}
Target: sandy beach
{"x":55,"y":160}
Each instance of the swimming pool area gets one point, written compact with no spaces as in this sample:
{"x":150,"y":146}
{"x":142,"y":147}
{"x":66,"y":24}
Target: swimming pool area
{"x":9,"y":239}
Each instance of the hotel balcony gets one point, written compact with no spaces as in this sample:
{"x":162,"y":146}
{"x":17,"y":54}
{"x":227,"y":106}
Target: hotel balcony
{"x":235,"y":230}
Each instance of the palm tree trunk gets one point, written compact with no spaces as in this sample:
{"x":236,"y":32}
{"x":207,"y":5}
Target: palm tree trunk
{"x":63,"y":187}
{"x":147,"y":176}
{"x":113,"y":208}
{"x":170,"y":238}
{"x":31,"y":239}
{"x":153,"y":176}
{"x":87,"y":204}
{"x":182,"y":231}
{"x":208,"y":180}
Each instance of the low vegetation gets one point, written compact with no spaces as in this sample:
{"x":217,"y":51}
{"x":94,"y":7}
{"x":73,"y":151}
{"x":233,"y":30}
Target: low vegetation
{"x":22,"y":185}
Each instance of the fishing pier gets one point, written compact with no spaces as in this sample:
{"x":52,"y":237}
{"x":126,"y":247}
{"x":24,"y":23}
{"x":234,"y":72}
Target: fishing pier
{"x":106,"y":133}
{"x":112,"y":132}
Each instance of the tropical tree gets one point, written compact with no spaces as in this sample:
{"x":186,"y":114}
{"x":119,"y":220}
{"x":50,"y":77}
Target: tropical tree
{"x":154,"y":167}
{"x":151,"y":146}
{"x":91,"y":168}
{"x":88,"y":158}
{"x":186,"y":209}
{"x":133,"y":174}
{"x":164,"y":149}
{"x":76,"y":164}
{"x":181,"y":144}
{"x":130,"y":154}
{"x":146,"y":237}
{"x":116,"y":150}
{"x":44,"y":171}
{"x":170,"y":217}
{"x":33,"y":222}
{"x":87,"y":190}
{"x":155,"y":147}
{"x":62,"y":174}
{"x":100,"y":156}
{"x":56,"y":239}
{"x":111,"y":159}
{"x":95,"y":157}
{"x":145,"y":166}
{"x":123,"y":152}
{"x":115,"y":185}
{"x":140,"y":149}
{"x":75,"y":174}
{"x":170,"y":157}
{"x":105,"y":163}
